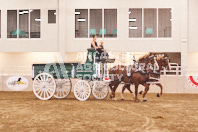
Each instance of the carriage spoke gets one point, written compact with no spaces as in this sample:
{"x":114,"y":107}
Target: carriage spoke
{"x":37,"y":83}
{"x":38,"y":88}
{"x":38,"y":80}
{"x":47,"y":93}
{"x":60,"y":93}
{"x":44,"y":93}
{"x":50,"y":90}
{"x":41,"y":78}
{"x":39,"y":91}
{"x":49,"y":79}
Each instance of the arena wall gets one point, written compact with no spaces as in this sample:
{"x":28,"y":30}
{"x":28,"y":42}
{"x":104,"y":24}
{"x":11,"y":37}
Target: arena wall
{"x":192,"y":25}
{"x":171,"y":84}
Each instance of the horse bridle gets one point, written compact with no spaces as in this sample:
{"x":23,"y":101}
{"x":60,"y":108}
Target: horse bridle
{"x":164,"y":60}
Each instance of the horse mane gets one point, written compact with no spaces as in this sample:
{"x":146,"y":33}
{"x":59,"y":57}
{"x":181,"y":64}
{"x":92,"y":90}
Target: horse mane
{"x":160,"y":57}
{"x":143,"y":57}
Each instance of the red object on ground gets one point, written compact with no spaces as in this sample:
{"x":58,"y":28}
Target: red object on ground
{"x":106,"y":78}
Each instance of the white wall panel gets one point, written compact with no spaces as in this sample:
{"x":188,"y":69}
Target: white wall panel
{"x":193,"y":28}
{"x":122,"y":42}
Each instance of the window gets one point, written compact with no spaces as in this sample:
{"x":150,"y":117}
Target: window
{"x":165,"y":23}
{"x":12,"y":24}
{"x":23,"y":24}
{"x":35,"y":22}
{"x":150,"y":22}
{"x":95,"y":22}
{"x":135,"y":23}
{"x":51,"y":16}
{"x":90,"y":22}
{"x":110,"y":23}
{"x":81,"y":23}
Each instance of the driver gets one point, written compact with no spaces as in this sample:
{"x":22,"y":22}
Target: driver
{"x":95,"y":45}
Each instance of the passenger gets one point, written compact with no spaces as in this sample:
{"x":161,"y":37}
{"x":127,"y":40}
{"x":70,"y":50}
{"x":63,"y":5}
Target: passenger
{"x":102,"y":48}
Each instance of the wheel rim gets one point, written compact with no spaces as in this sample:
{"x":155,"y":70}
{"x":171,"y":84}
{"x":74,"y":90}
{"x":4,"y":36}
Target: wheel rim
{"x":63,"y":88}
{"x":44,"y":86}
{"x":100,"y":90}
{"x":82,"y":90}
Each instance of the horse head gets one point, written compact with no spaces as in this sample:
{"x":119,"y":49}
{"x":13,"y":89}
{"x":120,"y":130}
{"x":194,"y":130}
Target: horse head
{"x":164,"y":62}
{"x":151,"y":59}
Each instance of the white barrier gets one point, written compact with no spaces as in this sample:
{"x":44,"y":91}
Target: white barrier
{"x":172,"y":80}
{"x":8,"y":72}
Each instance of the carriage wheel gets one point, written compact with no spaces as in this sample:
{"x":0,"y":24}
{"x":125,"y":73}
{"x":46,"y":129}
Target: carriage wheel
{"x":100,"y":90}
{"x":63,"y":88}
{"x":82,"y":90}
{"x":44,"y":86}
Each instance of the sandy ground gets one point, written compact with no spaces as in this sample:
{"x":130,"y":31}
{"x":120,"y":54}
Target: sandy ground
{"x":22,"y":111}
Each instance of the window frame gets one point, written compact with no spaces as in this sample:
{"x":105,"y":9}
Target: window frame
{"x":28,"y":23}
{"x":157,"y":26}
{"x":88,"y":38}
{"x":171,"y":22}
{"x":116,"y":24}
{"x":87,"y":24}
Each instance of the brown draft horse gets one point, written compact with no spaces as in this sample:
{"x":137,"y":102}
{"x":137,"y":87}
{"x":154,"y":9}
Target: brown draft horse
{"x":163,"y":62}
{"x":120,"y":74}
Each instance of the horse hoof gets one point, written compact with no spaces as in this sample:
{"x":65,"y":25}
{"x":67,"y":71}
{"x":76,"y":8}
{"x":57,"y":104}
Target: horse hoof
{"x":144,"y":100}
{"x":140,"y":92}
{"x":158,"y":95}
{"x":122,"y":99}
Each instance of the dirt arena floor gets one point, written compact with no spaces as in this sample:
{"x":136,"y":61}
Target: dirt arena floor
{"x":22,"y":111}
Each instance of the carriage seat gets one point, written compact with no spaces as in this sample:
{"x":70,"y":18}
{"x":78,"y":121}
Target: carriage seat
{"x":96,"y":55}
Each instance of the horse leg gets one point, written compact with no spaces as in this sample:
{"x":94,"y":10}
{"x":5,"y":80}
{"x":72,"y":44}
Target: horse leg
{"x":136,"y":93}
{"x":113,"y":90}
{"x":131,"y":91}
{"x":123,"y":88}
{"x":111,"y":84}
{"x":141,"y":91}
{"x":160,"y":85}
{"x":145,"y":91}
